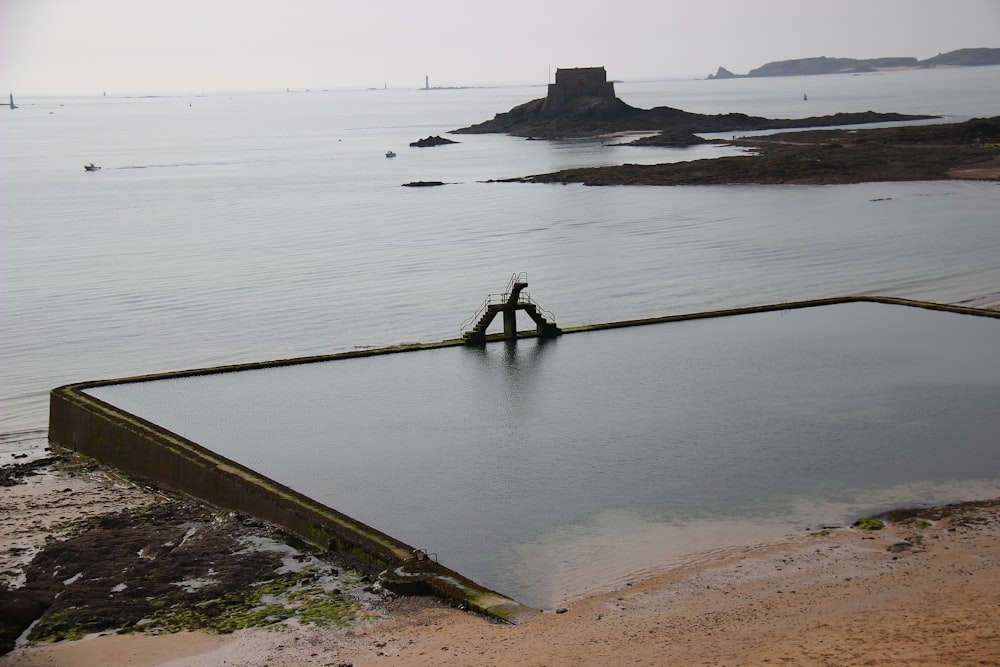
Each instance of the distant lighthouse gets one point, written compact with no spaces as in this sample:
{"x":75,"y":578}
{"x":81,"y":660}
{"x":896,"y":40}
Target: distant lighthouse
{"x":427,"y":82}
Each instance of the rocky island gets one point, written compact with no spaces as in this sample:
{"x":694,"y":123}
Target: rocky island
{"x":434,"y":140}
{"x":582,"y":103}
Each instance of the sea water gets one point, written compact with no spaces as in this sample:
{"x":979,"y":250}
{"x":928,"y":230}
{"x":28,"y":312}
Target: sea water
{"x":226,"y":228}
{"x":232,"y":228}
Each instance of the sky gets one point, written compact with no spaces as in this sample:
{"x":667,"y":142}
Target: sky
{"x":90,"y":47}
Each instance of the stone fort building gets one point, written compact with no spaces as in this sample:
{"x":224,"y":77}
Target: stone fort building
{"x":578,"y":82}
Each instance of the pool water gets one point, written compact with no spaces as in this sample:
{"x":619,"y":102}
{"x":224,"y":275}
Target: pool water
{"x":549,"y":469}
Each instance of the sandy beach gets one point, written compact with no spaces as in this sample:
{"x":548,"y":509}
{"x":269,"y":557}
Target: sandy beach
{"x":921,"y":592}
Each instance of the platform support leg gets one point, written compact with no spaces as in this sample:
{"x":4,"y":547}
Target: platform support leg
{"x":510,"y":323}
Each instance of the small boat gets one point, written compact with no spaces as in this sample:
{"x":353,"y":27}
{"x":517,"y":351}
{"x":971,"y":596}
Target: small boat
{"x":390,"y":154}
{"x":91,"y":167}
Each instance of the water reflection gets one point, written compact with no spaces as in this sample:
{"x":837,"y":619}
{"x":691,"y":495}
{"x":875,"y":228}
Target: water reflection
{"x":516,"y":366}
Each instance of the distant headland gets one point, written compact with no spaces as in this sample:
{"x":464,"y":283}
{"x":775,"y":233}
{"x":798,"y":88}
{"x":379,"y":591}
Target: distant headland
{"x":823,"y":65}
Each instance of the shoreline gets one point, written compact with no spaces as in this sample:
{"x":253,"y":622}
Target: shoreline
{"x":842,"y":596}
{"x":836,"y":156}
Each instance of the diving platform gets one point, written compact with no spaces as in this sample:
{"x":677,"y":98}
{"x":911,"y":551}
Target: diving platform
{"x":508,"y":303}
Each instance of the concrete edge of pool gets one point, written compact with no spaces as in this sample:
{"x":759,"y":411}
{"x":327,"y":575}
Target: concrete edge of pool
{"x":146,"y":451}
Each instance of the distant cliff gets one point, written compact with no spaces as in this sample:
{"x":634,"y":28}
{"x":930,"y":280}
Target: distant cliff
{"x":824,"y":65}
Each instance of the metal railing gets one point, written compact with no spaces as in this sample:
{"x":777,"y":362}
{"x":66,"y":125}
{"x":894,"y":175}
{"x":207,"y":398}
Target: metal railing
{"x":492,"y":299}
{"x":526,"y":298}
{"x":499,"y":299}
{"x":478,"y":314}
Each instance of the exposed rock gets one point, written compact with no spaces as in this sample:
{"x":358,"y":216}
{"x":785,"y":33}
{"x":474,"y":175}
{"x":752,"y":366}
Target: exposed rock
{"x":957,"y":511}
{"x":174,"y":566}
{"x":671,"y":138}
{"x":593,"y":116}
{"x":13,"y":474}
{"x":432,"y":141}
{"x":722,"y":73}
{"x":931,"y":152}
{"x":422,"y":184}
{"x":582,"y":103}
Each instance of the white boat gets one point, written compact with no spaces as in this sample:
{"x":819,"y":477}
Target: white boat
{"x":390,"y":154}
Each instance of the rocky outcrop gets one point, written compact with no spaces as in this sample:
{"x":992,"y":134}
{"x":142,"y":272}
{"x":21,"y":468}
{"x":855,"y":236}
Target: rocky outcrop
{"x":917,"y":153}
{"x":593,"y":116}
{"x":722,"y":73}
{"x":670,"y":139}
{"x":431,"y":141}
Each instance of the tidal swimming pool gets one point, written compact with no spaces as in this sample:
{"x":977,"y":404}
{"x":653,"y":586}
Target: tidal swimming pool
{"x":549,"y":469}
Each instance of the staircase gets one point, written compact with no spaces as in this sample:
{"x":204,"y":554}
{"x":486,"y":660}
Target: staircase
{"x":509,"y":303}
{"x":546,"y":329}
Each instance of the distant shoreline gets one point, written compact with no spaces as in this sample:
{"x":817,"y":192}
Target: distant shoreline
{"x":969,"y":150}
{"x":974,"y":57}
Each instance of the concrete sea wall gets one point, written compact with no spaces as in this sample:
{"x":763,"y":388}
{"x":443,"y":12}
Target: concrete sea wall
{"x":144,"y":450}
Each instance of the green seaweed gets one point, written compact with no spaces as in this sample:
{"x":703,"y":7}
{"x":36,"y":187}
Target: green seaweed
{"x":869,"y":523}
{"x":291,"y":596}
{"x":59,"y":626}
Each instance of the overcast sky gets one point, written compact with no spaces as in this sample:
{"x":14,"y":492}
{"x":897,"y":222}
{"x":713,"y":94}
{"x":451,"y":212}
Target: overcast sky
{"x":201,"y":46}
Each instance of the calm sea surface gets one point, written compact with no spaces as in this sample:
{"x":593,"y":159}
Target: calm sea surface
{"x":240,"y":228}
{"x":237,"y":228}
